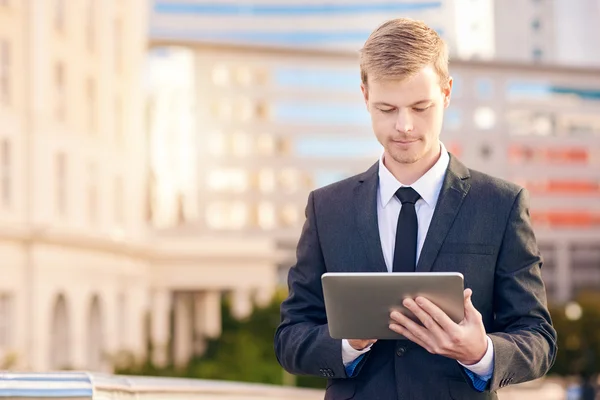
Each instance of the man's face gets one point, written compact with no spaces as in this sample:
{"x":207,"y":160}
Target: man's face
{"x":407,"y":115}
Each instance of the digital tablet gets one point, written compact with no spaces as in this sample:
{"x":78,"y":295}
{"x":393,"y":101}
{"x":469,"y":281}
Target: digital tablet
{"x":358,"y":304}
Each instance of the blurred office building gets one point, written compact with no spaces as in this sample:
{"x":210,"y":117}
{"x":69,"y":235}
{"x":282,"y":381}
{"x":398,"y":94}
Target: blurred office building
{"x":84,"y":277}
{"x":550,"y":31}
{"x":273,"y":124}
{"x":279,"y":110}
{"x":75,"y":272}
{"x":191,"y":267}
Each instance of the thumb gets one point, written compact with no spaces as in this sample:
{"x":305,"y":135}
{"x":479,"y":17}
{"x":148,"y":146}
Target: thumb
{"x":469,"y":308}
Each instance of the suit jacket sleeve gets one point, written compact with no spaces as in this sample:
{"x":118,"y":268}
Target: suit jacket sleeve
{"x":302,"y":342}
{"x":523,"y":337}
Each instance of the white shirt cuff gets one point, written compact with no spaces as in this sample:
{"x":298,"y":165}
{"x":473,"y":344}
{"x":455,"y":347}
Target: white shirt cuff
{"x":485,"y":366}
{"x":350,"y":354}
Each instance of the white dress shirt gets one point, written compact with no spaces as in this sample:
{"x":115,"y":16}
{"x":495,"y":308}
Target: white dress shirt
{"x":388,"y":209}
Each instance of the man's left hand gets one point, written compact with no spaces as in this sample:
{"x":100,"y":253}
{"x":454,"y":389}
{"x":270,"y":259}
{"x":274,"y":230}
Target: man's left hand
{"x":465,"y":342}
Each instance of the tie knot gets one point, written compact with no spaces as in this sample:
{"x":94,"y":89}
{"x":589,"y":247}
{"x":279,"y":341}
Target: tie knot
{"x":407,"y":195}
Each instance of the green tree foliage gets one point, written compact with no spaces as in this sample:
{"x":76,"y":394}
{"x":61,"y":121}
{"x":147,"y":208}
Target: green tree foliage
{"x":244,"y":352}
{"x":579,"y":340}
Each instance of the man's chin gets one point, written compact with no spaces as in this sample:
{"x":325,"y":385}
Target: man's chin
{"x":405,"y":158}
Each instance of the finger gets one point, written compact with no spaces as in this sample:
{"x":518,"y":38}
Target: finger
{"x":409,"y":335}
{"x":426,"y":319}
{"x":467,"y":296}
{"x":415,"y":329}
{"x":471,"y":313}
{"x":470,"y":310}
{"x":436,"y":313}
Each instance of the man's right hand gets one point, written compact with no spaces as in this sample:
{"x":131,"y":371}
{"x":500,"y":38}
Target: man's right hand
{"x":359,"y":344}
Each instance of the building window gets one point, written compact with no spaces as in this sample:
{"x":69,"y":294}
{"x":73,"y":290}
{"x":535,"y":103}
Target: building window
{"x":59,"y":14}
{"x":4,"y":72}
{"x":537,"y":54}
{"x":222,"y":109}
{"x":485,"y":88}
{"x":452,"y":119}
{"x":486,"y":152}
{"x":290,"y":215}
{"x":118,"y":206}
{"x":526,"y":122}
{"x":262,"y":77}
{"x":241,"y":144}
{"x":266,"y":180}
{"x":262,"y":110}
{"x":217,"y":144}
{"x":6,"y":323}
{"x":290,"y":180}
{"x":92,"y":104}
{"x":92,"y":193}
{"x":536,"y":24}
{"x":484,"y":118}
{"x":233,"y":180}
{"x":6,"y":173}
{"x":579,"y":125}
{"x":243,"y":76}
{"x":265,"y":144}
{"x":118,"y":43}
{"x":61,"y":93}
{"x":221,"y":76}
{"x":283,"y":146}
{"x":227,"y":215}
{"x":61,"y":184}
{"x":266,"y":216}
{"x":245,"y":109}
{"x":90,"y":26}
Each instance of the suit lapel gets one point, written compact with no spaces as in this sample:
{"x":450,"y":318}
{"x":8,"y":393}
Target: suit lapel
{"x":454,"y":189}
{"x":365,"y":203}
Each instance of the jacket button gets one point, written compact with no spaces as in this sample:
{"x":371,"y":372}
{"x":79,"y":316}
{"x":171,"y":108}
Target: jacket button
{"x":401,"y":351}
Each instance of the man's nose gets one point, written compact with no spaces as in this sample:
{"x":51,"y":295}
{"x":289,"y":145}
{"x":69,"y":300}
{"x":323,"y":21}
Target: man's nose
{"x":404,"y":121}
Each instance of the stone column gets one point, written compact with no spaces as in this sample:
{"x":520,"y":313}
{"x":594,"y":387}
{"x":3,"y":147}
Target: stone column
{"x":207,"y":318}
{"x":182,"y":343}
{"x":241,"y":303}
{"x":161,"y":309}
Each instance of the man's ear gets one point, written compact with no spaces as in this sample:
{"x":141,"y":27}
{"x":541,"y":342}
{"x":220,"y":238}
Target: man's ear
{"x":365,"y":92}
{"x":447,"y":91}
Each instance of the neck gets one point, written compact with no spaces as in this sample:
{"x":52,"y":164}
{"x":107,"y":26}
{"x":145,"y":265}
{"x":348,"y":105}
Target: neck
{"x":408,"y":174}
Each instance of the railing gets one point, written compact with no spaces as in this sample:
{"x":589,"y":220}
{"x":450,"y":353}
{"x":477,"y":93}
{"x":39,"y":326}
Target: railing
{"x":82,"y":385}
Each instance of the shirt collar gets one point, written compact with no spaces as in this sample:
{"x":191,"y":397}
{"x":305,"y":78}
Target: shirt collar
{"x":428,"y":186}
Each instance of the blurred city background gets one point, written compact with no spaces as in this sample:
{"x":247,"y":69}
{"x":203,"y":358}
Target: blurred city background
{"x":156,"y":157}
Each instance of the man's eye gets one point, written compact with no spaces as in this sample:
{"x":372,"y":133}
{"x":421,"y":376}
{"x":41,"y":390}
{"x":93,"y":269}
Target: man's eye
{"x":420,"y":109}
{"x":386,"y":110}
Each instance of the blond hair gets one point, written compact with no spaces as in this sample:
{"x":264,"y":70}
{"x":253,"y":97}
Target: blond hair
{"x":400,"y":48}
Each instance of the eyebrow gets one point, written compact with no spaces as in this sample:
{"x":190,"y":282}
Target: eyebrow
{"x":382,"y":103}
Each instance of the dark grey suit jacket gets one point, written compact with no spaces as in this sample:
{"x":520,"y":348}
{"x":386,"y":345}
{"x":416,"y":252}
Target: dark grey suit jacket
{"x":480,"y":228}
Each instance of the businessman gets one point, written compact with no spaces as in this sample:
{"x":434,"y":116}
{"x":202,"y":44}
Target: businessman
{"x":419,"y":209}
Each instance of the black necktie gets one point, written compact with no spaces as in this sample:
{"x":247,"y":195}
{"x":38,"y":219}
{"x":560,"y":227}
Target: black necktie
{"x":405,"y":252}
